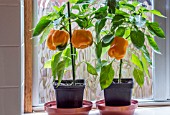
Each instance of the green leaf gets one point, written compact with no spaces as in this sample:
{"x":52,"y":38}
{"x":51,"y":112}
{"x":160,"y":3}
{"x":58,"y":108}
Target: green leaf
{"x":47,"y":64}
{"x":45,"y":33}
{"x":112,"y":6}
{"x":135,"y":3}
{"x":54,"y":62}
{"x":67,"y":56}
{"x":99,"y":25}
{"x":98,"y":49}
{"x":139,"y":76}
{"x":73,"y":16}
{"x":158,"y":13}
{"x":107,"y":39}
{"x":91,"y":69}
{"x":146,"y":54}
{"x":106,"y":76}
{"x":42,"y":24}
{"x":90,"y":24}
{"x":135,"y":60}
{"x":153,"y":44}
{"x":127,"y":33}
{"x":105,"y":50}
{"x":120,"y":31}
{"x":140,"y":21}
{"x":60,"y":9}
{"x":154,"y":28}
{"x":117,"y":20}
{"x":101,"y":13}
{"x":67,"y":61}
{"x":75,"y":7}
{"x":60,"y":71}
{"x":137,"y":38}
{"x":120,"y":12}
{"x":85,"y":6}
{"x":144,"y":10}
{"x":81,"y":23}
{"x":145,"y":66}
{"x":127,"y":6}
{"x":67,"y":52}
{"x":53,"y":16}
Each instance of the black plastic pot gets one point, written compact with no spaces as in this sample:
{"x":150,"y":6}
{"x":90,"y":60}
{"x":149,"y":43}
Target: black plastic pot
{"x":119,"y":94}
{"x":69,"y":96}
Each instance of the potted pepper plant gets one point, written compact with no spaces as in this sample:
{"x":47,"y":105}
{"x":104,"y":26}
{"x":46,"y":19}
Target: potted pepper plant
{"x":129,"y":26}
{"x":55,"y":29}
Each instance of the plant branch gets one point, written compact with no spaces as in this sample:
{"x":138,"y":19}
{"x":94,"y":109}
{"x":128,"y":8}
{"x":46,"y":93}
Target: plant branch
{"x":71,"y":47}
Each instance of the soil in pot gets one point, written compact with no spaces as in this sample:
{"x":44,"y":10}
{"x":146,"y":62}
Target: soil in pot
{"x":68,"y":95}
{"x":119,"y":94}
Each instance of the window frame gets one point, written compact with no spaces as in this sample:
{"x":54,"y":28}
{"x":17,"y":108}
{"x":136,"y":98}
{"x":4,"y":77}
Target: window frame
{"x":28,"y":19}
{"x":35,"y":91}
{"x":161,"y":86}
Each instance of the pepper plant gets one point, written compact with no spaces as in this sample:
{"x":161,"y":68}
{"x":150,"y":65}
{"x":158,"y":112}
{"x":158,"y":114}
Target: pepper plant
{"x":55,"y":29}
{"x":128,"y":26}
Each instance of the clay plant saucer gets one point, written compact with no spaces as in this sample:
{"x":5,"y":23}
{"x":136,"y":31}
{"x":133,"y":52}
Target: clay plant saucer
{"x":52,"y":109}
{"x":116,"y":110}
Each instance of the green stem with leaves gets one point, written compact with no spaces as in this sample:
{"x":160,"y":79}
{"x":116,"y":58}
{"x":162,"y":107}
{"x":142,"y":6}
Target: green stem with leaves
{"x":120,"y":71}
{"x":73,"y":54}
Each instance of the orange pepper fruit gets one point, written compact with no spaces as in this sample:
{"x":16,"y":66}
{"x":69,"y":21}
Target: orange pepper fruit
{"x":57,"y":39}
{"x":118,"y":48}
{"x":82,"y":39}
{"x":49,"y":42}
{"x":60,"y":37}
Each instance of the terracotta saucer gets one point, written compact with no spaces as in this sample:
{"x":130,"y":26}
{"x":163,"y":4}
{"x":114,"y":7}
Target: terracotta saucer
{"x":51,"y":109}
{"x":116,"y":110}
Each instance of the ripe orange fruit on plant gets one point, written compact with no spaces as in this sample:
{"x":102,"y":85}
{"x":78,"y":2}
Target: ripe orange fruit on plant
{"x":118,"y":48}
{"x":57,"y":39}
{"x":60,"y":37}
{"x":82,"y":39}
{"x":49,"y":42}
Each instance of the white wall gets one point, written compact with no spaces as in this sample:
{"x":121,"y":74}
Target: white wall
{"x":11,"y":52}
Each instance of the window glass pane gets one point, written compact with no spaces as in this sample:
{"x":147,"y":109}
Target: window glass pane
{"x":92,"y":91}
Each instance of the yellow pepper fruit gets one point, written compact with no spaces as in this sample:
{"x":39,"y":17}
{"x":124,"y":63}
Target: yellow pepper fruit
{"x":82,"y":39}
{"x":118,"y":48}
{"x":49,"y":42}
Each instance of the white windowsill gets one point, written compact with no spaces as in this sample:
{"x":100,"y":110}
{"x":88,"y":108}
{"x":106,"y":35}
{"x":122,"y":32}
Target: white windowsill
{"x":145,"y":107}
{"x":138,"y":111}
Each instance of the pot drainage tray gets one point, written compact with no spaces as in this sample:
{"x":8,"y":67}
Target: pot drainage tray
{"x":116,"y":110}
{"x":52,"y":109}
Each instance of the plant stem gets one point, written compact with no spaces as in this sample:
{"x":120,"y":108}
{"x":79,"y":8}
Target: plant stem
{"x":71,"y":46}
{"x":120,"y":71}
